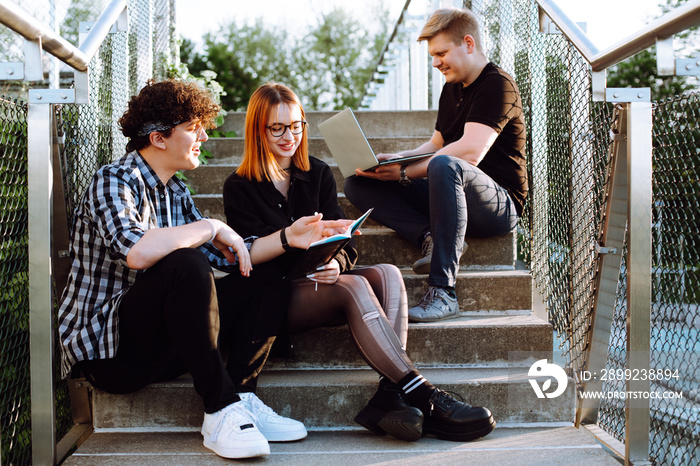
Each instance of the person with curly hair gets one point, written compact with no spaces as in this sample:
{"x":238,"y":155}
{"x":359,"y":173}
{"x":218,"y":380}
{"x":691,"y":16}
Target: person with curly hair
{"x":142,"y":304}
{"x":277,"y":183}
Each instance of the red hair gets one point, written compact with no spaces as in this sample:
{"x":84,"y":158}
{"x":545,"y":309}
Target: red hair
{"x":258,"y":162}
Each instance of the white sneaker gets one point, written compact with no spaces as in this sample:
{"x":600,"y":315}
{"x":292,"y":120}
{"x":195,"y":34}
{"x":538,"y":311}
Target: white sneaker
{"x":274,"y":427}
{"x":231,"y":433}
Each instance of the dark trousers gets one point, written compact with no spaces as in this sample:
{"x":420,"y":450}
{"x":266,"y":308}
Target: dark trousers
{"x":456,"y":199}
{"x":173,"y":319}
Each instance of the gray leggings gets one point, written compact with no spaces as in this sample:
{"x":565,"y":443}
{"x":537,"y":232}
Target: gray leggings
{"x":372,"y":300}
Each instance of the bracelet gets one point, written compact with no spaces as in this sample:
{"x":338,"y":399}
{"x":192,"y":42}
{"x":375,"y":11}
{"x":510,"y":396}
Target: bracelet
{"x":213,"y":228}
{"x":283,"y":238}
{"x":404,"y":180}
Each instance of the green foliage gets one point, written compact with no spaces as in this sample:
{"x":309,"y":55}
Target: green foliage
{"x":640,"y":70}
{"x":15,"y":414}
{"x":327,"y":67}
{"x":337,"y":60}
{"x":243,"y":57}
{"x":79,"y":11}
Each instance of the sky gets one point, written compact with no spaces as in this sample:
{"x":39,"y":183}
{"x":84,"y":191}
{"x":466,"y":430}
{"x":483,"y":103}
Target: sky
{"x":608,"y":21}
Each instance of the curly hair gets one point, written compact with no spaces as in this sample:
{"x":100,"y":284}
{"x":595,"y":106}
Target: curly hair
{"x":167,"y":103}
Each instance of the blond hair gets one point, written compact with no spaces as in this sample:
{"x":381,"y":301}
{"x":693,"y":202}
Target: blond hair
{"x":258,"y":162}
{"x":456,"y":23}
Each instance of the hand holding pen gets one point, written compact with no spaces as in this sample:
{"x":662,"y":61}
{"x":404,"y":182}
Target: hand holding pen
{"x":326,"y":274}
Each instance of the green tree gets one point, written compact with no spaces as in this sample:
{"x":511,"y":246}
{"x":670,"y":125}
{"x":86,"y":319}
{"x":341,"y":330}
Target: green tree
{"x":327,"y":67}
{"x":338,"y":58}
{"x":640,"y":71}
{"x":243,"y":57}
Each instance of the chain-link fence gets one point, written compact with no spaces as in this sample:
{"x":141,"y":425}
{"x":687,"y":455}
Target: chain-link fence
{"x":14,"y":286}
{"x":675,"y":312}
{"x":125,"y":61}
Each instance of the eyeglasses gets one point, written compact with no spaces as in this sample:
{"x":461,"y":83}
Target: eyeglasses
{"x":278,"y":129}
{"x":198,"y":132}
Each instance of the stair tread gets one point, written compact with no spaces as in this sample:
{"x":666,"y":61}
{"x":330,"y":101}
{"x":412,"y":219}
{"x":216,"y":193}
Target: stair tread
{"x":347,"y":376}
{"x":484,"y":321}
{"x":467,"y":272}
{"x":505,"y":445}
{"x":338,"y":393}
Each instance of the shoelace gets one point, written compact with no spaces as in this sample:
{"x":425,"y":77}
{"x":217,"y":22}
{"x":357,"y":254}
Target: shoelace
{"x":258,"y":406}
{"x":427,"y":248}
{"x":445,"y":398}
{"x":429,"y":297}
{"x":235,"y":418}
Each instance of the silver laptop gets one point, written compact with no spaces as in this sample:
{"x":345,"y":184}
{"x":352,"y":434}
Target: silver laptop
{"x":349,"y":146}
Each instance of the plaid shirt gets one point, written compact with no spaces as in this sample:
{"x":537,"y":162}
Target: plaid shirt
{"x":124,"y":199}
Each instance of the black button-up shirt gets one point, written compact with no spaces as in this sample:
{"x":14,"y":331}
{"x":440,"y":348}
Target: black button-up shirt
{"x":258,"y":209}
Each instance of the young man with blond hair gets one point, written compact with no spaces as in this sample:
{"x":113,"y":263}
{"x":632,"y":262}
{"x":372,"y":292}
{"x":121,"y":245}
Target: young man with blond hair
{"x":475,"y":184}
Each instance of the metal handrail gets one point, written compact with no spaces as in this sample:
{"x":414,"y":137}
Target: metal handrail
{"x":17,"y":19}
{"x":390,"y":39}
{"x":678,"y":20}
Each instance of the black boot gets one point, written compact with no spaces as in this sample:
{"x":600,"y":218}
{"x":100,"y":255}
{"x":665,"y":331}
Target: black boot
{"x":388,"y":412}
{"x":451,"y":419}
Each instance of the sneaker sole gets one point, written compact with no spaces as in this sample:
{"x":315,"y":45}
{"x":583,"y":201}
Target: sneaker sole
{"x":460,"y":433}
{"x":421,"y":267}
{"x":290,"y":436}
{"x":247,"y":451}
{"x":432,"y":318}
{"x":369,"y":418}
{"x":403,"y":425}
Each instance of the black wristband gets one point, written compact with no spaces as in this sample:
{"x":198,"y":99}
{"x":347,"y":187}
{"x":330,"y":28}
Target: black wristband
{"x":283,"y":238}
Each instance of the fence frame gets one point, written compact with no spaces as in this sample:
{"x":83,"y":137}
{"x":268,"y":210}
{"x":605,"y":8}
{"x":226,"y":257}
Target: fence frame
{"x":630,"y":187}
{"x":631,"y":208}
{"x":46,"y":207}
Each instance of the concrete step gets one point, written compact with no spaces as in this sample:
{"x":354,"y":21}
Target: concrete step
{"x":212,"y":205}
{"x":510,"y":444}
{"x":209,"y":179}
{"x":479,"y":292}
{"x":383,"y":245}
{"x":332,"y":398}
{"x":230,"y":150}
{"x":466,"y":340}
{"x":373,"y":123}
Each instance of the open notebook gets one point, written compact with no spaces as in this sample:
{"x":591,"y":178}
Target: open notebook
{"x":350,"y":148}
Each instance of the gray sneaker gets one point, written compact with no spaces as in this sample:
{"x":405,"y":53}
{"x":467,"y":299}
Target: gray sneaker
{"x":422,"y":265}
{"x":435,"y":305}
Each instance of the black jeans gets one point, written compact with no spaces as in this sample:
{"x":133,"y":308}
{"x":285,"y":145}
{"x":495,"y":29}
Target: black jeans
{"x":172,"y":319}
{"x":456,"y":199}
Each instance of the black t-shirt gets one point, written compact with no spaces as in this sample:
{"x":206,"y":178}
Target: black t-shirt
{"x":492,"y":99}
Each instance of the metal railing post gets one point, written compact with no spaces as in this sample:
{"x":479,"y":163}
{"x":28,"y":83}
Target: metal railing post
{"x":40,"y":187}
{"x":611,"y":242}
{"x":639,"y":173}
